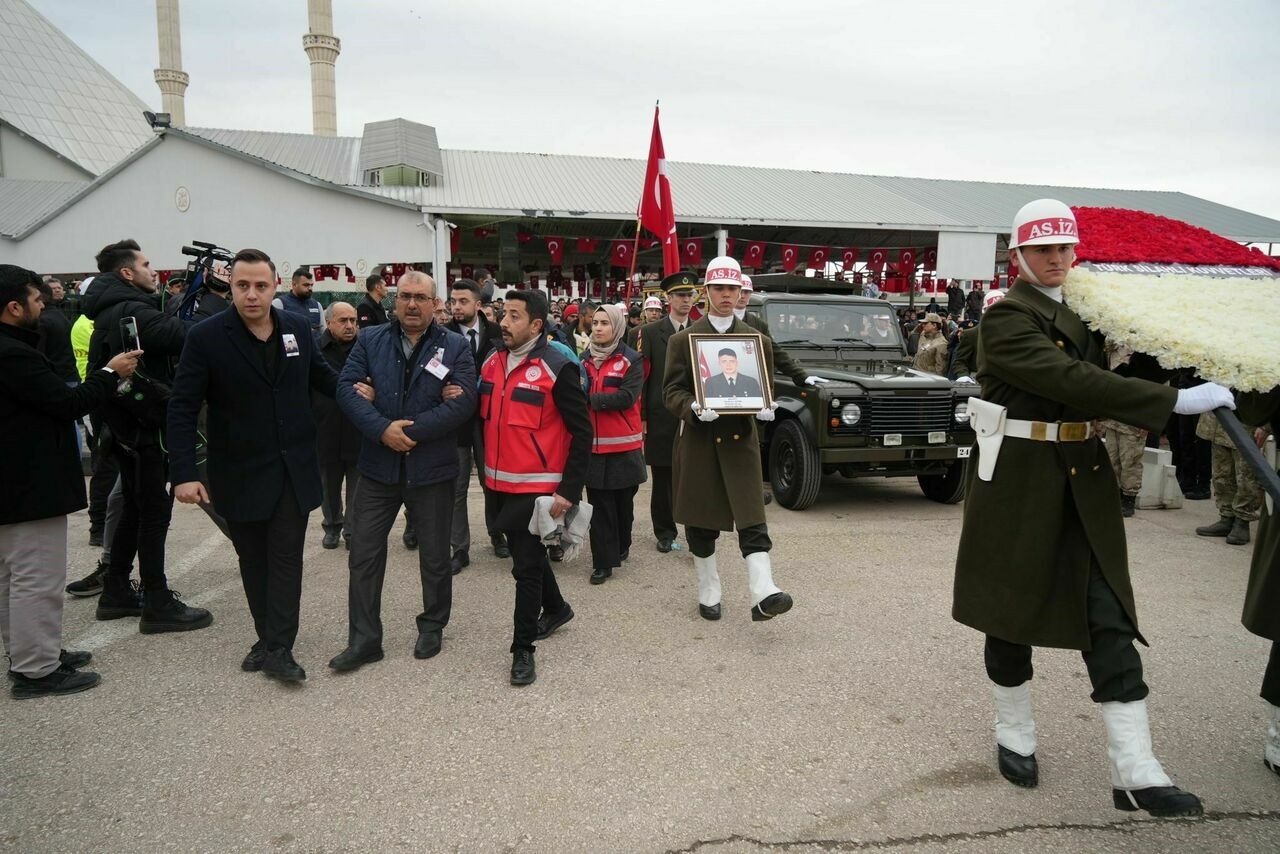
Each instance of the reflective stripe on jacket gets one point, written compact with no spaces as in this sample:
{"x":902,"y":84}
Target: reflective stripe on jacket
{"x":526,"y":443}
{"x":615,"y":430}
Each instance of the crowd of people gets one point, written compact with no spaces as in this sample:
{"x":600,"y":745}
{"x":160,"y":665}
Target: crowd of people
{"x":261,"y":406}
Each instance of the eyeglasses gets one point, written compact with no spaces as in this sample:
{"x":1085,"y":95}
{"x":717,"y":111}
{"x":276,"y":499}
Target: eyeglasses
{"x":414,"y":298}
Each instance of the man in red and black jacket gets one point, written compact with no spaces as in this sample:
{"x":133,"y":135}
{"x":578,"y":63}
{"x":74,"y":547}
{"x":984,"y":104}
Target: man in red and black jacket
{"x":537,"y":441}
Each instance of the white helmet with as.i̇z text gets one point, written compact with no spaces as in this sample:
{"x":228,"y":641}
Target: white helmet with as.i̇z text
{"x":1044,"y":221}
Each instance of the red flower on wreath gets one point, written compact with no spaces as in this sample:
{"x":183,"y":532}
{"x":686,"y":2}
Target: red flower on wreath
{"x":1123,"y":236}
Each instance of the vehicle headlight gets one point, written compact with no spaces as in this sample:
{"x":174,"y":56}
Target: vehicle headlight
{"x":850,"y":414}
{"x":962,"y":412}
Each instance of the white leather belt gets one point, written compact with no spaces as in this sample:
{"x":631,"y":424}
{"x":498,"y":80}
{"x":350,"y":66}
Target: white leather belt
{"x":1048,"y":431}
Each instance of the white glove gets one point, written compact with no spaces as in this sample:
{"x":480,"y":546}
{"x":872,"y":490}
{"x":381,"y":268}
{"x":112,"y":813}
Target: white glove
{"x":814,"y":381}
{"x":967,"y":380}
{"x":704,"y":415}
{"x":766,"y":414}
{"x":1203,"y":398}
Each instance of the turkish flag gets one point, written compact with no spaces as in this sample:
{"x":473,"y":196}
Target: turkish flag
{"x":620,"y":253}
{"x":587,"y":245}
{"x":818,"y":257}
{"x":907,"y":262}
{"x":554,"y":275}
{"x":482,"y":233}
{"x":857,"y":278}
{"x":729,"y":245}
{"x":656,"y":211}
{"x":877,"y":260}
{"x":467,"y":271}
{"x":455,"y":241}
{"x":555,"y":246}
{"x":579,"y":273}
{"x":790,"y":257}
{"x":524,"y":236}
{"x":690,"y":253}
{"x":926,"y":282}
{"x":533,"y":283}
{"x":755,"y":255}
{"x":930,"y":259}
{"x":649,"y":242}
{"x":704,"y":370}
{"x":848,"y":257}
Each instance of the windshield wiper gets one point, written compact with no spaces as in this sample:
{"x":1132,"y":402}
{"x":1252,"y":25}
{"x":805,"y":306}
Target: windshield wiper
{"x":799,"y":342}
{"x":852,"y":341}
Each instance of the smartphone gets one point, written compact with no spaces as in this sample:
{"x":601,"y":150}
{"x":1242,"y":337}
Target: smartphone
{"x":129,"y":334}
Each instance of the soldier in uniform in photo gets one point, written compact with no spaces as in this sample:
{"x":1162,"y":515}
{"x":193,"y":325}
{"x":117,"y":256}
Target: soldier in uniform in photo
{"x":651,"y":341}
{"x":730,"y":382}
{"x":716,"y":474}
{"x":1042,"y":558}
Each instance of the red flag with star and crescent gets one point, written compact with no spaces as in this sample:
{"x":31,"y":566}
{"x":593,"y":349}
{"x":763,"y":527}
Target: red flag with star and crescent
{"x":555,"y":247}
{"x":655,"y":211}
{"x":690,"y":251}
{"x":755,"y":254}
{"x":848,"y":257}
{"x":818,"y":258}
{"x":790,"y":257}
{"x":620,"y":253}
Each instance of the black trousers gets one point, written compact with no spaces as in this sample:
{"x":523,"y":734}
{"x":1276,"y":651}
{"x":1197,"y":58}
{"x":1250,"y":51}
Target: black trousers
{"x":613,"y":511}
{"x":105,"y":470}
{"x":144,"y":515}
{"x":377,"y":506}
{"x":1192,"y":456}
{"x":1115,"y":668}
{"x":270,"y":552}
{"x":536,"y":587}
{"x":334,"y":474}
{"x":469,"y":456}
{"x":1271,"y":679}
{"x":664,"y":520}
{"x":751,"y":539}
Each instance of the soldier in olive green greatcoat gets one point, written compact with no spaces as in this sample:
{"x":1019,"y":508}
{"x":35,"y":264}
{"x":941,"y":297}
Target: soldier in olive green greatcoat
{"x":1042,"y":558}
{"x":716,"y":473}
{"x":1262,"y":600}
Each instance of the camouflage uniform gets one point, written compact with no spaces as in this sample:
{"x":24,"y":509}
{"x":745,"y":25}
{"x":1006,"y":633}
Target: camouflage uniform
{"x":931,"y":354}
{"x":1235,"y":487}
{"x":1125,"y":445}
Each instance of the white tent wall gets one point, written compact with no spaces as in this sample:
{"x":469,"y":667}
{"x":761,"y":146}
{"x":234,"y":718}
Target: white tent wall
{"x":230,"y":201}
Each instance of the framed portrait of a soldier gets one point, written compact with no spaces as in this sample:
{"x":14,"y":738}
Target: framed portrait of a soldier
{"x":732,"y":375}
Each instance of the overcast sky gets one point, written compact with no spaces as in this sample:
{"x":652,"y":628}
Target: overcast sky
{"x":1177,"y":95}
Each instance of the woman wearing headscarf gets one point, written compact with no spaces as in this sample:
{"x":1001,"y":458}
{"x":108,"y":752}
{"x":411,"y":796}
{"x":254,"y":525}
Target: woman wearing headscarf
{"x":613,"y":377}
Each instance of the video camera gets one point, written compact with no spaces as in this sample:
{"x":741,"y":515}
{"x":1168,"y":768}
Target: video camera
{"x":208,"y":272}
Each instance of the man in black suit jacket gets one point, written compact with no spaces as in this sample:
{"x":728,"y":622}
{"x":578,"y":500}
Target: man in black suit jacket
{"x":483,"y":336}
{"x":255,"y":366}
{"x":731,"y":382}
{"x":650,"y":341}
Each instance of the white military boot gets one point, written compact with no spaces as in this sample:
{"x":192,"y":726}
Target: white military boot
{"x":1016,"y":735}
{"x":1271,"y":756}
{"x":767,"y":601}
{"x":1137,"y":780}
{"x":708,"y":587}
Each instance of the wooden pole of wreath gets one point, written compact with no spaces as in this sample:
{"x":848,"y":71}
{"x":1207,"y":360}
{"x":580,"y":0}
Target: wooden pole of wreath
{"x":1243,"y":440}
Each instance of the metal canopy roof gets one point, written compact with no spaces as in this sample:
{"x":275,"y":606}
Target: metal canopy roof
{"x":400,"y":142}
{"x":23,"y":202}
{"x":53,"y":92}
{"x":576,"y":187}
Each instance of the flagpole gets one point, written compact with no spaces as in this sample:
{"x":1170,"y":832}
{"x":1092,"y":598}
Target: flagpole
{"x":635,"y":247}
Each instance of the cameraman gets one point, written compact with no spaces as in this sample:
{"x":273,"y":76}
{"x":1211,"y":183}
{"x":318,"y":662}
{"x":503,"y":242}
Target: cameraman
{"x":127,"y":288}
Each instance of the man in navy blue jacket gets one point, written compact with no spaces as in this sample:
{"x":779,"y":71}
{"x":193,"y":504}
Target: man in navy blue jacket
{"x":256,"y":367}
{"x":408,"y":456}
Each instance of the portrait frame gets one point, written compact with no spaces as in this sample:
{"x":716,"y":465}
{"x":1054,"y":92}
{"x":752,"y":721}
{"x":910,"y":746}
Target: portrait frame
{"x":752,"y":372}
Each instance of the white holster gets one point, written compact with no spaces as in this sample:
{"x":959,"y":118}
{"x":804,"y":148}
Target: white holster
{"x":988,"y":420}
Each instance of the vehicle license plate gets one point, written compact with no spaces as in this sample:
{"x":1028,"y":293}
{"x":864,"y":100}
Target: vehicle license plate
{"x":963,"y":453}
{"x":937,"y":437}
{"x":893,"y":438}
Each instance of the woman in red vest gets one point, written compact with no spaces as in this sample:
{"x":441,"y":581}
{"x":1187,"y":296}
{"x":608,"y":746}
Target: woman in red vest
{"x":613,"y":377}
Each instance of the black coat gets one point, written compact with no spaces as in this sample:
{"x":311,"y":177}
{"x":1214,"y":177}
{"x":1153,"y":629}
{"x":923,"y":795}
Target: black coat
{"x":337,"y":439}
{"x":55,"y":344}
{"x":370,"y":313}
{"x":490,"y":339}
{"x":40,"y":465}
{"x":261,"y":430}
{"x":660,"y":425}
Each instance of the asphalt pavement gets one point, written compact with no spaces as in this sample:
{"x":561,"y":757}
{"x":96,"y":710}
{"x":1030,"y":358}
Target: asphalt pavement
{"x":861,"y":720}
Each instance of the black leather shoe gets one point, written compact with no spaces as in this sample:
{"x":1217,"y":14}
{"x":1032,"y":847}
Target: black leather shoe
{"x":623,"y":555}
{"x":1019,"y":770}
{"x":353,"y":659}
{"x":330,"y":539}
{"x":410,"y":539}
{"x":600,"y":576}
{"x":163,"y":611}
{"x":710,"y":612}
{"x":500,"y":547}
{"x":523,"y":671}
{"x":664,"y":546}
{"x":64,"y":680}
{"x":547,"y":625}
{"x":1128,"y":505}
{"x":771,"y":606}
{"x":91,"y":584}
{"x":279,"y":665}
{"x":428,"y":645}
{"x":461,"y":560}
{"x":768,"y":498}
{"x":1198,"y":495}
{"x":1160,"y":801}
{"x":74,"y":660}
{"x":121,"y":598}
{"x":555,"y":553}
{"x":253,"y":661}
{"x":95,"y":537}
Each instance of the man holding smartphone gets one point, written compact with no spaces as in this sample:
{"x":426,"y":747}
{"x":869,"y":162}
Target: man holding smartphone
{"x":125,"y":309}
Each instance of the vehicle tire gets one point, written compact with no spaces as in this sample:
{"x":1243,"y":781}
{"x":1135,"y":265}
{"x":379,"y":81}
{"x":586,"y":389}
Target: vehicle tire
{"x":947,"y":488}
{"x":794,"y":469}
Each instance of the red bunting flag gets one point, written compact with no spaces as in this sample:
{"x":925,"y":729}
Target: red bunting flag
{"x":524,"y":236}
{"x":648,"y":242}
{"x":818,"y":258}
{"x":755,"y":254}
{"x":848,"y":257}
{"x":579,"y":273}
{"x":729,"y":245}
{"x":455,"y":241}
{"x":690,"y":253}
{"x":587,"y":245}
{"x":468,"y":271}
{"x":907,"y":262}
{"x":790,"y":257}
{"x":555,"y":246}
{"x":482,"y":233}
{"x":876,"y":262}
{"x":620,"y":253}
{"x":656,"y":211}
{"x":931,"y":259}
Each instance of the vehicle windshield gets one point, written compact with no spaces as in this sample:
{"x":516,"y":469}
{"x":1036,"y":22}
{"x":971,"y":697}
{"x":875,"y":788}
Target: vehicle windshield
{"x":830,"y":324}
